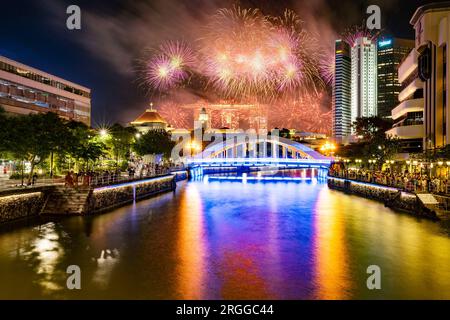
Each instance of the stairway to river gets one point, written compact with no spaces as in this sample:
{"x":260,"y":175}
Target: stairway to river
{"x":67,"y":201}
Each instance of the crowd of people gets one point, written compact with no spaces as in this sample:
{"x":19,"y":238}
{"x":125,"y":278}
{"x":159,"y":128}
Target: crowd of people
{"x":408,"y":181}
{"x":88,"y":178}
{"x":137,"y":170}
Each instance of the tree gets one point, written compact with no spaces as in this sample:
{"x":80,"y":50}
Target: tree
{"x":371,"y":128}
{"x":373,"y":142}
{"x":120,"y":141}
{"x":4,"y":128}
{"x":285,"y":133}
{"x":154,"y":142}
{"x":82,"y":144}
{"x":33,"y":137}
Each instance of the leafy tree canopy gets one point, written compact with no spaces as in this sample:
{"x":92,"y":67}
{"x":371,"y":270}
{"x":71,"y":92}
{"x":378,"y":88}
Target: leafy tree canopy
{"x":154,"y":142}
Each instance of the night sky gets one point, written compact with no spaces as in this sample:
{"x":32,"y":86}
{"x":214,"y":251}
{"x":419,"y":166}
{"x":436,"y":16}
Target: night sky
{"x":114,"y":34}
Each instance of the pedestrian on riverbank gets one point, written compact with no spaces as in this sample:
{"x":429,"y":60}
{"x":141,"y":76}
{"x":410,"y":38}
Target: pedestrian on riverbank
{"x":34,"y":179}
{"x":68,"y":180}
{"x":75,"y":180}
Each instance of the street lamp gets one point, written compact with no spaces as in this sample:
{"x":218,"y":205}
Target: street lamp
{"x":194,"y":146}
{"x":328,"y":148}
{"x":103,"y":133}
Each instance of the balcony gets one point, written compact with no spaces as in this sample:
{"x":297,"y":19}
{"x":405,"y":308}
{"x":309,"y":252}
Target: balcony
{"x":413,"y":105}
{"x":408,"y":66}
{"x":410,"y":89}
{"x":407,"y":132}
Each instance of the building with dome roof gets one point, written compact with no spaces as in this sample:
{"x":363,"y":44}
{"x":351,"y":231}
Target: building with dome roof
{"x":149,"y":120}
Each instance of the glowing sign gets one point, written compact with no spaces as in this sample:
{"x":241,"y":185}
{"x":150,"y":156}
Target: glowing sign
{"x":385,"y":43}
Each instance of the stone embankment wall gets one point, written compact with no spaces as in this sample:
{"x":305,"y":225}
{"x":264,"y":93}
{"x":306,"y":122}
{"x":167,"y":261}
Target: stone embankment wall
{"x":16,"y":204}
{"x":110,"y":197}
{"x":23,"y":203}
{"x":391,"y":197}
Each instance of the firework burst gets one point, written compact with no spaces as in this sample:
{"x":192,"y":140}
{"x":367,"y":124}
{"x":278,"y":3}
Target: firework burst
{"x":242,"y":55}
{"x":169,"y":66}
{"x":327,"y":67}
{"x":176,"y":116}
{"x":352,"y":34}
{"x":245,"y":56}
{"x":248,"y":55}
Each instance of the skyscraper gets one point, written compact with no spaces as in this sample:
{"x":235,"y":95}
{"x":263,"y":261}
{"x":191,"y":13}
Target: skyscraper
{"x":391,"y":52}
{"x":363,"y":78}
{"x":341,"y":102}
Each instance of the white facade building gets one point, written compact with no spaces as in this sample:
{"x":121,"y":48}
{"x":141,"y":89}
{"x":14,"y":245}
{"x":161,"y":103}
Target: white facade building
{"x":363,"y":78}
{"x":408,"y":114}
{"x":432,"y":25}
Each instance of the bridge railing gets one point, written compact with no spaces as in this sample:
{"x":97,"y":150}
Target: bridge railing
{"x":257,"y":161}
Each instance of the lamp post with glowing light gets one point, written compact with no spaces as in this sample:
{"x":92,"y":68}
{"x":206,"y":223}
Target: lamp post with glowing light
{"x":328,"y":148}
{"x":194,"y":147}
{"x":103,"y":133}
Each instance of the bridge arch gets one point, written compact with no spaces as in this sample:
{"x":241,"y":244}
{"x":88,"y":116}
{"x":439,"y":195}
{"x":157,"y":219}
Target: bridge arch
{"x":245,"y":146}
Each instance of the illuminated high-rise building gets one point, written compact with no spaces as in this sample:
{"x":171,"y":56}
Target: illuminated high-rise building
{"x":363,"y":78}
{"x":391,"y":52}
{"x":341,"y":103}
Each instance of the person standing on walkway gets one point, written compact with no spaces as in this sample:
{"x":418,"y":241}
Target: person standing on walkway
{"x":34,"y":179}
{"x":68,"y":180}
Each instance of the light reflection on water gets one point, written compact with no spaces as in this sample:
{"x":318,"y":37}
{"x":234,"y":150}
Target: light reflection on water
{"x":222,"y":239}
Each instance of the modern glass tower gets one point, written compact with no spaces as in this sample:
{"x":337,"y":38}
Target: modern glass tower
{"x":342,"y":92}
{"x":391,"y":52}
{"x":363,"y":78}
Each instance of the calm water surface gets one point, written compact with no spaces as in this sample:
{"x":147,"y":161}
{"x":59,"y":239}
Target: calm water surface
{"x":231,"y":240}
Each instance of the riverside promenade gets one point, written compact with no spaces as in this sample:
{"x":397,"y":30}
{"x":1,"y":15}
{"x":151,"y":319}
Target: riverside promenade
{"x":422,"y":204}
{"x":57,"y":199}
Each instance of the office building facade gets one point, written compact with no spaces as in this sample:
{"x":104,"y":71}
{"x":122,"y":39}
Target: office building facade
{"x":408,"y":114}
{"x":363,"y":78}
{"x":390,"y":53}
{"x":25,"y":90}
{"x":341,"y":99}
{"x":432,"y":27}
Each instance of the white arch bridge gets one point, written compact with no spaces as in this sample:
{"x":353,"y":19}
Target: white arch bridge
{"x":244,"y":151}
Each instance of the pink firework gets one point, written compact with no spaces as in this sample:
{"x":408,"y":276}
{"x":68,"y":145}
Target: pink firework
{"x":160,"y":75}
{"x":327,"y":67}
{"x":176,"y":115}
{"x":250,"y":55}
{"x":352,"y":34}
{"x":302,"y":113}
{"x":170,"y":66}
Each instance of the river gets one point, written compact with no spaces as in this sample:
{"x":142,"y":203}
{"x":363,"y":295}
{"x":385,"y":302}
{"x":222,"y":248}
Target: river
{"x":222,"y":239}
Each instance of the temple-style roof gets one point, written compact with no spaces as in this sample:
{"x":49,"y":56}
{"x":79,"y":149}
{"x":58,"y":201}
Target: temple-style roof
{"x":149,"y":116}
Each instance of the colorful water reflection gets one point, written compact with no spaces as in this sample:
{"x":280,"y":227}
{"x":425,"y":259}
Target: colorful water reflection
{"x":231,"y":240}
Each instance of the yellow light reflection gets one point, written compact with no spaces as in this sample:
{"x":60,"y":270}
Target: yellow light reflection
{"x":332,"y":261}
{"x":191,"y":245}
{"x":47,"y":251}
